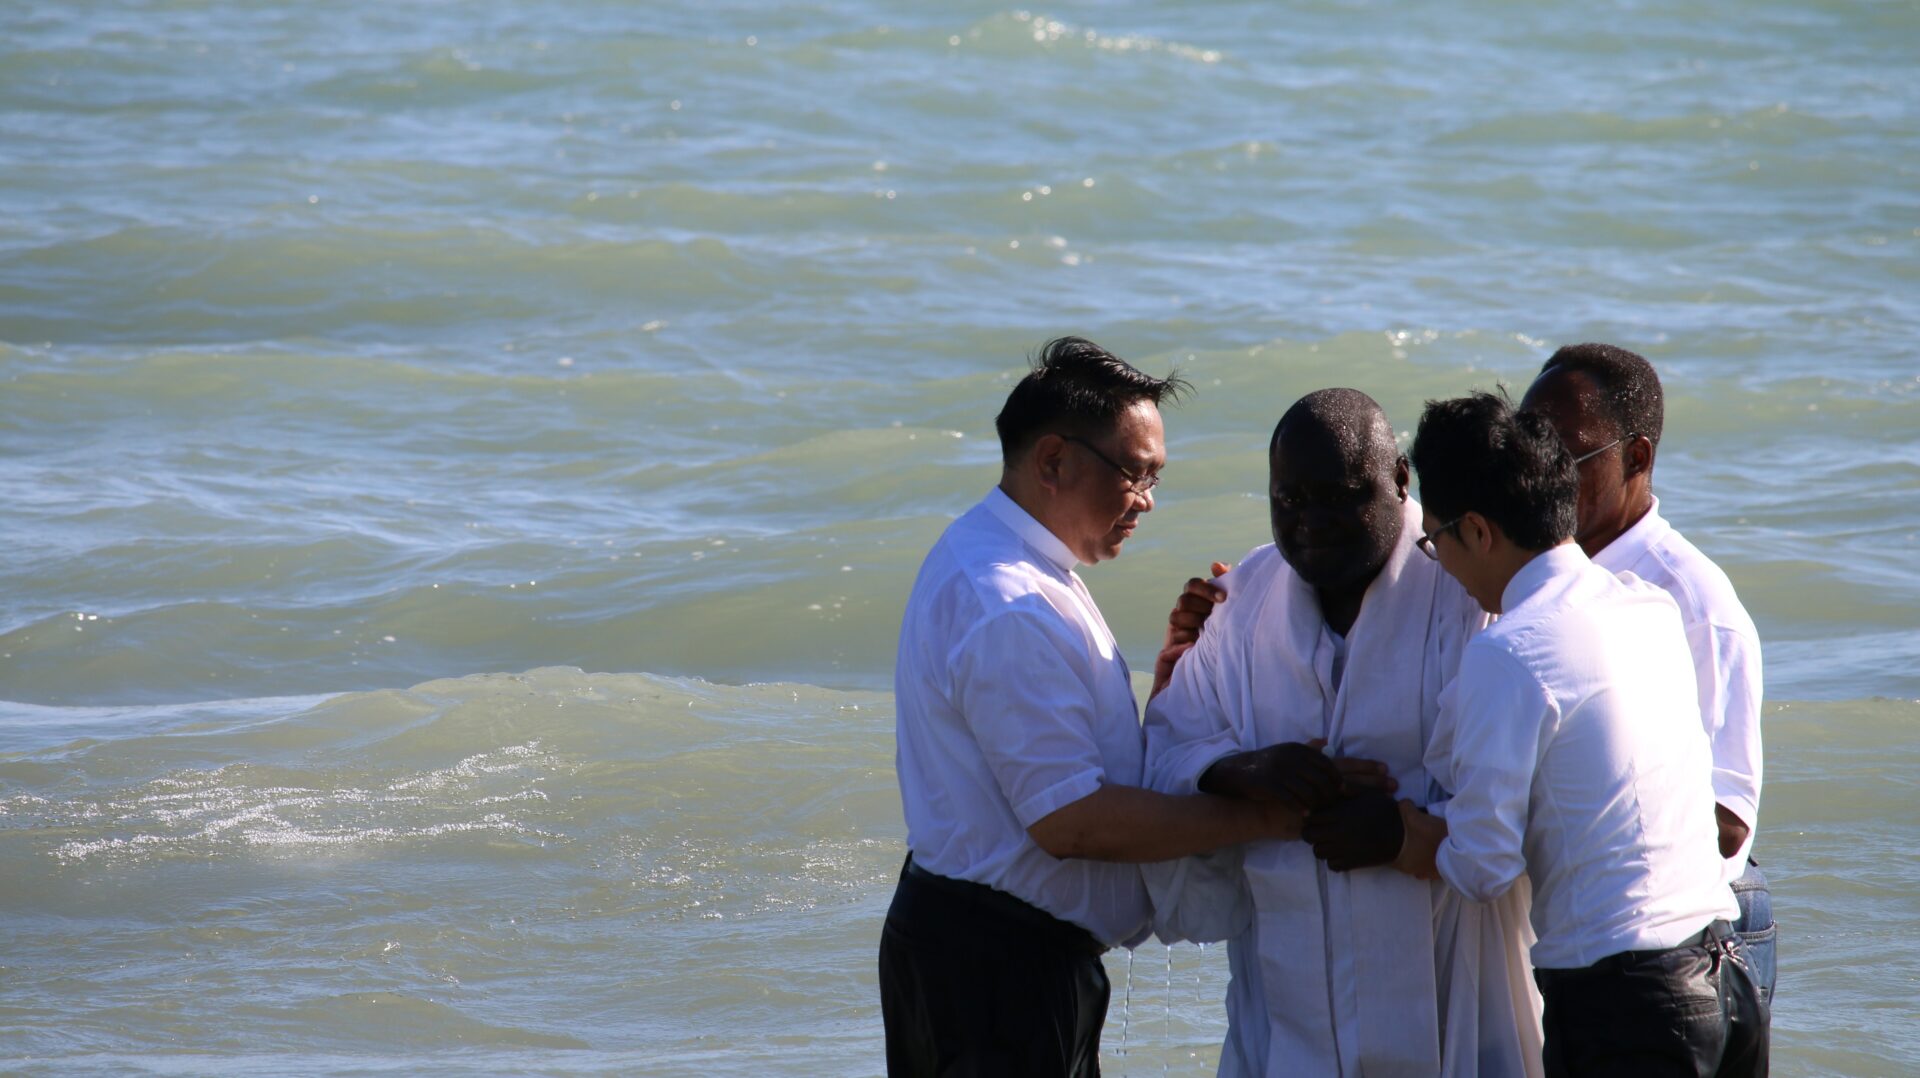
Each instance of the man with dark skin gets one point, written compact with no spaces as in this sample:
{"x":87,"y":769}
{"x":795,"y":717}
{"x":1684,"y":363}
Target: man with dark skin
{"x":1607,"y":405}
{"x":1341,"y":635}
{"x":1336,"y":484}
{"x":1616,"y":489}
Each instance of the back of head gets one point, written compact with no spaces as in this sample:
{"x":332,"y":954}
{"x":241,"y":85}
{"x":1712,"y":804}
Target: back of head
{"x":1629,"y":387}
{"x":1477,"y":454}
{"x":1077,"y":389}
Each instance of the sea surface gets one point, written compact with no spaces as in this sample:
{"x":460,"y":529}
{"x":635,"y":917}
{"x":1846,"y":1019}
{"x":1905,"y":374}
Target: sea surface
{"x":463,"y":464}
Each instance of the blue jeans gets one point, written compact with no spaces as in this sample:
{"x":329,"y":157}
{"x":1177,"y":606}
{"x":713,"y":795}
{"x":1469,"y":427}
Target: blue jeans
{"x":1758,"y":932}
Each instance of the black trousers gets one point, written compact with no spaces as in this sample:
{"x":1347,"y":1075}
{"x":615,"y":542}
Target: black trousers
{"x":976,"y":982}
{"x":1690,"y":1010}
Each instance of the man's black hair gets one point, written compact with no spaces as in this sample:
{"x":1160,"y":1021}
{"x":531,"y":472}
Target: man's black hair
{"x":1076,"y":388}
{"x":1476,"y":453}
{"x":1628,"y":385}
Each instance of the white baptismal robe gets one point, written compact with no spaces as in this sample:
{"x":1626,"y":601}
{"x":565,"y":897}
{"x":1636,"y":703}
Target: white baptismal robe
{"x":1338,"y":973}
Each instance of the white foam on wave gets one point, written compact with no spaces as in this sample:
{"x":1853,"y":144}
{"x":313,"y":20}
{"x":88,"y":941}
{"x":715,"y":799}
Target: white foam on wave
{"x":204,"y":813}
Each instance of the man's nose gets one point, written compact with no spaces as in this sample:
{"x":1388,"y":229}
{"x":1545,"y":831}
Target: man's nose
{"x":1145,"y":499}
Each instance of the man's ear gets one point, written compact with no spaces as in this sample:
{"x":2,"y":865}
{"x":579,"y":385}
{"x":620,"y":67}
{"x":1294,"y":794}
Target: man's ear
{"x":1477,"y":532}
{"x":1638,"y":459}
{"x":1047,"y":459}
{"x":1402,"y":475}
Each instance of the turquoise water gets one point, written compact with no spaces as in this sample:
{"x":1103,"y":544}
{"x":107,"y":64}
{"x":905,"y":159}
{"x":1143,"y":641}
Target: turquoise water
{"x":465,"y":462}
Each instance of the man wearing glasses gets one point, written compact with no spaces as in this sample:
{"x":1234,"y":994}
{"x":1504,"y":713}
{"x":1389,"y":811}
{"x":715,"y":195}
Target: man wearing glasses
{"x":1607,"y":405}
{"x":1019,"y":751}
{"x":1572,"y":749}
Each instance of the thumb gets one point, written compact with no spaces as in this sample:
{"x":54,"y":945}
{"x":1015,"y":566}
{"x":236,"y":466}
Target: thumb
{"x":1220,"y":568}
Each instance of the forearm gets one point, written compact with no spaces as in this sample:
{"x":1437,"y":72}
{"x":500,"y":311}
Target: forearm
{"x":1235,"y":776}
{"x":1420,"y":844}
{"x":1733,"y":830}
{"x":1129,"y":824}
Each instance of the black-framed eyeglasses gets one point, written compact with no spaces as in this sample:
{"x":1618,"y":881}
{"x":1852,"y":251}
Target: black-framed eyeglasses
{"x":1592,"y":453}
{"x":1425,"y":542}
{"x":1136,"y":484}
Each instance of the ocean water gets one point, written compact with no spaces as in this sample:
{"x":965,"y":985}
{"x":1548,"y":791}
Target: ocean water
{"x":464,"y":464}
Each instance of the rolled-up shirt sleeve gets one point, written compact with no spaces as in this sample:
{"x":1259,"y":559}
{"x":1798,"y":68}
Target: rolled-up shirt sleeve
{"x":1023,"y":687}
{"x":1730,"y":693}
{"x":1502,"y":718}
{"x":1186,"y":726}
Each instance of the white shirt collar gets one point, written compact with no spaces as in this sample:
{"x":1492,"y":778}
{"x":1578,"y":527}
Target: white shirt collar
{"x":1549,"y":563}
{"x":1629,"y":545}
{"x":1030,"y":531}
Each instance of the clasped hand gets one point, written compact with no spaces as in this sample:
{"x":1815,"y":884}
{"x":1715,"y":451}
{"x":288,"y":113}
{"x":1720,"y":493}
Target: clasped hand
{"x":1298,"y":775}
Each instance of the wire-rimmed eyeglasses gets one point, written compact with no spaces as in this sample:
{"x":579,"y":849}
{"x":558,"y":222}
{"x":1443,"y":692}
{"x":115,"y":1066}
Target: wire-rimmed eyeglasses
{"x":1136,"y":484}
{"x":1592,"y":453}
{"x":1425,"y":542}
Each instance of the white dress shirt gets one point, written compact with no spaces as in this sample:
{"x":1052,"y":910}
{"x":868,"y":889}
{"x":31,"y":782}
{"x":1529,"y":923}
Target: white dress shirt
{"x":1013,"y":701}
{"x":1726,"y":656}
{"x":1576,"y":760}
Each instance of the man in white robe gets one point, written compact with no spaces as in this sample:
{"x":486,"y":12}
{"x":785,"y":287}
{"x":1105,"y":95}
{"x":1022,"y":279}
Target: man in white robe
{"x":1339,"y":632}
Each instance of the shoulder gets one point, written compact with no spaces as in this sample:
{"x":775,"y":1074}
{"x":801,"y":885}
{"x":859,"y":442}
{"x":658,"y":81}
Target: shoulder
{"x":1259,"y":567}
{"x":976,"y":572}
{"x":1249,"y":585}
{"x":1496,"y":662}
{"x":1701,"y":588}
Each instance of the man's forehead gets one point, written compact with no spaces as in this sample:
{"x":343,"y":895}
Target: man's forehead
{"x":1316,"y":452}
{"x":1140,"y":429}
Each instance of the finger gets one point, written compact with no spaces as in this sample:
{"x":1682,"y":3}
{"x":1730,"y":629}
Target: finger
{"x":1220,"y":568}
{"x":1312,"y":792}
{"x":1170,"y":655}
{"x":1368,"y":781}
{"x":1203,"y":591}
{"x":1385,"y":784}
{"x":1356,"y":774}
{"x":1323,"y":795}
{"x":1190,"y":612}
